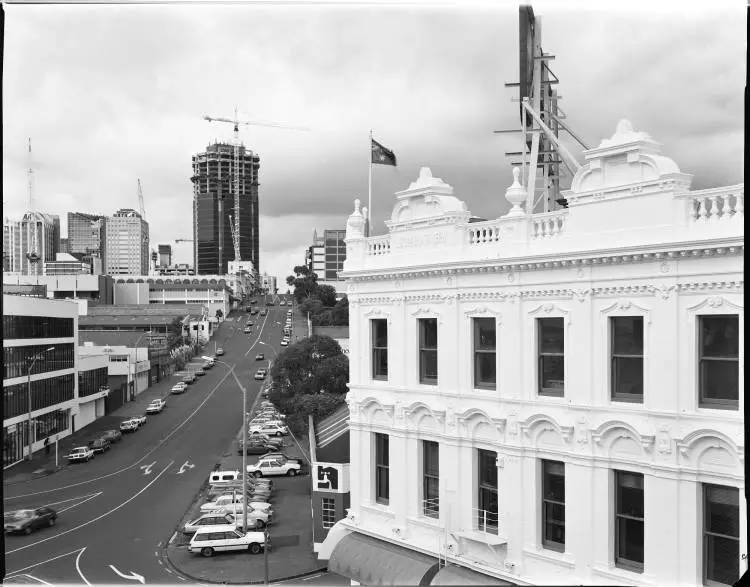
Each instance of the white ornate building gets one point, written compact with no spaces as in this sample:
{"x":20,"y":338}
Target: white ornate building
{"x":552,"y":398}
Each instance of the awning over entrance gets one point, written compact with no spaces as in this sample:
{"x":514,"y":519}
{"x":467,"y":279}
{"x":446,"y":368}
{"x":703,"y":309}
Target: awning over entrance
{"x":455,"y":575}
{"x":375,"y":562}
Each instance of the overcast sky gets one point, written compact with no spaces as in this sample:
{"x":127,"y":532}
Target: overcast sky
{"x":110,"y":94}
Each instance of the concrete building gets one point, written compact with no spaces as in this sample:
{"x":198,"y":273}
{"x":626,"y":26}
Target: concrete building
{"x":326,"y":256}
{"x":268,"y":283}
{"x":87,"y":238}
{"x":40,"y":334}
{"x":213,"y":207}
{"x":97,"y":289}
{"x":127,"y":244}
{"x":315,"y":256}
{"x":211,"y":291}
{"x":177,"y":269}
{"x":551,"y":398}
{"x":165,"y":255}
{"x":18,"y":240}
{"x":64,"y":245}
{"x":93,"y":388}
{"x":66,"y":264}
{"x":128,"y":368}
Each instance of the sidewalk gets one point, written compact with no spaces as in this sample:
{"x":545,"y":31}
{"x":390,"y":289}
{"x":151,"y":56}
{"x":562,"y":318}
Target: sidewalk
{"x":291,"y":554}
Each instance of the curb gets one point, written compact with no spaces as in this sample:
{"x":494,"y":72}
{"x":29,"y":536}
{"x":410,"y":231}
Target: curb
{"x":257,"y":582}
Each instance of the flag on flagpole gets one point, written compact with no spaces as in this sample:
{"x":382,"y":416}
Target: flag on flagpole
{"x":381,"y":155}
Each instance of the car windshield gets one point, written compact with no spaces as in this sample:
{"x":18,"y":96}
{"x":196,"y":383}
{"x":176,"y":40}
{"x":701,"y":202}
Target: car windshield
{"x":18,"y":515}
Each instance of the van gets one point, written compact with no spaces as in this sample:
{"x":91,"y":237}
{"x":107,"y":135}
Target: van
{"x":224,"y":477}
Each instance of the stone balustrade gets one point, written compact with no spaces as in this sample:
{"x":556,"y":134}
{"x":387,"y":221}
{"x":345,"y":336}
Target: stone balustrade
{"x":716,"y":204}
{"x":379,"y":245}
{"x":484,"y":232}
{"x":548,"y":224}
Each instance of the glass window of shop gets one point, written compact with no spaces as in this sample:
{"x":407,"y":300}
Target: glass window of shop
{"x":16,"y":440}
{"x":44,"y":393}
{"x":90,"y":382}
{"x":15,"y":359}
{"x":36,"y":327}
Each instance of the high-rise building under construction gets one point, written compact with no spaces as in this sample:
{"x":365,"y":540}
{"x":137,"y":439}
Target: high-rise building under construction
{"x":214,"y":208}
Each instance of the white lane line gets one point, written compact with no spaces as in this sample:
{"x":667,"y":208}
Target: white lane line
{"x":114,"y":509}
{"x":71,"y":499}
{"x":139,"y":460}
{"x":78,"y":567}
{"x":260,"y":333}
{"x":41,"y":563}
{"x":171,"y":540}
{"x":75,"y":505}
{"x":37,"y":579}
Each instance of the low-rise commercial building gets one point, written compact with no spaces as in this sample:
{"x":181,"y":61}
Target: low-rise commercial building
{"x":128,"y":367}
{"x":551,"y":398}
{"x":211,"y":292}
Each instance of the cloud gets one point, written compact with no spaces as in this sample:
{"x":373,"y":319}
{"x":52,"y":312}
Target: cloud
{"x":110,"y":94}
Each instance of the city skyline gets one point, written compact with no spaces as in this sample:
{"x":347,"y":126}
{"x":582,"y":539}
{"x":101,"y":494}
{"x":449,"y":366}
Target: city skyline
{"x":429,"y":81}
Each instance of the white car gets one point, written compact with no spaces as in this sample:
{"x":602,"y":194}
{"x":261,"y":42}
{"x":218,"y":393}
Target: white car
{"x":269,"y":428}
{"x":156,"y":406}
{"x":255,"y":519}
{"x":259,"y":375}
{"x":141,"y":420}
{"x":228,"y":503}
{"x":284,"y":343}
{"x":179,"y":388}
{"x":274,"y":467}
{"x":129,"y":425}
{"x":79,"y":454}
{"x":226,"y":538}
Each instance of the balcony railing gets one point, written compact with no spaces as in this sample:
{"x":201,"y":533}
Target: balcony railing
{"x":548,"y":224}
{"x":431,"y":507}
{"x":717,"y":204}
{"x":486,"y":521}
{"x":379,"y":245}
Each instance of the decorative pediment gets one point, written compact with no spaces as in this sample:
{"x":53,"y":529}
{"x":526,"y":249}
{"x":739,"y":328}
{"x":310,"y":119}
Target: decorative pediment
{"x":714,"y":438}
{"x":615,"y":429}
{"x":716,"y":302}
{"x":628,"y":307}
{"x":538,"y":423}
{"x":481,"y":311}
{"x":425,"y":313}
{"x":551,"y":310}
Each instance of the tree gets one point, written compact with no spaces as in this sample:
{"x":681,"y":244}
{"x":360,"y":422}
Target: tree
{"x":340,"y":312}
{"x":327,"y":295}
{"x":303,"y":368}
{"x":219,"y":314}
{"x":304,"y":281}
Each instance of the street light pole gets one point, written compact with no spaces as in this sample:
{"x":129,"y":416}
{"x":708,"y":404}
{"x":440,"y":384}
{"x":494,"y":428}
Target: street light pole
{"x":244,"y":442}
{"x":32,"y":362}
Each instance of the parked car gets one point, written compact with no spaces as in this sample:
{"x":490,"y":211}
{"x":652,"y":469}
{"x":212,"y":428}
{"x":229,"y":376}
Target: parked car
{"x":112,"y":435}
{"x":24,"y":521}
{"x":274,"y":467}
{"x":140,"y":420}
{"x":100,"y":445}
{"x":189,"y":378}
{"x":256,"y":448}
{"x":220,"y":351}
{"x":269,"y":428}
{"x":156,"y":406}
{"x":256,"y":491}
{"x":80,"y":454}
{"x":259,"y":375}
{"x":199,"y":372}
{"x":282,"y":303}
{"x":260,"y":357}
{"x":255,"y":520}
{"x":264,"y":312}
{"x":207,"y":541}
{"x":129,"y":425}
{"x":230,"y":502}
{"x":278,"y":456}
{"x":248,"y":330}
{"x":284,"y":342}
{"x":208,"y":365}
{"x":179,"y":388}
{"x":250,"y":323}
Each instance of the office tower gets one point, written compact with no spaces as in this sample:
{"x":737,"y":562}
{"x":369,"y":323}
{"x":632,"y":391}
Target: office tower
{"x":213,"y":208}
{"x":315,"y":256}
{"x":87,"y":239}
{"x":335,"y":253}
{"x":64,"y":246}
{"x":18,"y":240}
{"x":165,"y":255}
{"x":127,"y":244}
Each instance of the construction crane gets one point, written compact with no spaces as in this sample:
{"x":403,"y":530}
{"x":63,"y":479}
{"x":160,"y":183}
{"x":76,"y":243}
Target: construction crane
{"x":141,"y":208}
{"x":236,"y":174}
{"x":235,"y":240}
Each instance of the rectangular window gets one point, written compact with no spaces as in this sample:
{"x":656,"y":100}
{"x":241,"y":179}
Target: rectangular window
{"x":551,"y":346}
{"x":382,"y":481}
{"x":379,"y":329}
{"x":428,"y":344}
{"x":629,"y":521}
{"x":627,"y":358}
{"x":487,"y":518}
{"x":484,"y":353}
{"x":430,"y":479}
{"x":721,"y":535}
{"x":719,"y":362}
{"x":328,"y":512}
{"x":553,"y":505}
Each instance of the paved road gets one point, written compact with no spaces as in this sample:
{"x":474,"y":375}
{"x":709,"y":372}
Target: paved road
{"x":117,"y":511}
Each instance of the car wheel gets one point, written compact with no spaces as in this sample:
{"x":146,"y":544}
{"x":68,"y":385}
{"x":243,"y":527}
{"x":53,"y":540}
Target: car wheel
{"x":27,"y":530}
{"x":258,"y":474}
{"x":291,"y":472}
{"x":207,"y":552}
{"x":254,"y":548}
{"x":51,"y":522}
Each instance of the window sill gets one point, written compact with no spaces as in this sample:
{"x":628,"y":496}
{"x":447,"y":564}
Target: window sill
{"x":552,"y":556}
{"x":718,"y":408}
{"x":620,"y":575}
{"x":426,"y":521}
{"x":379,"y":508}
{"x":483,"y":537}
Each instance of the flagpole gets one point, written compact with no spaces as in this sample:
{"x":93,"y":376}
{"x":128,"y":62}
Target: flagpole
{"x":369,"y":191}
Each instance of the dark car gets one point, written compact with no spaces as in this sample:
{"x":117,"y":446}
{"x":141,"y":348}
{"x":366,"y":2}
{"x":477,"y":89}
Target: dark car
{"x":112,"y":435}
{"x":256,"y":448}
{"x":24,"y":521}
{"x":200,"y":372}
{"x":100,"y":445}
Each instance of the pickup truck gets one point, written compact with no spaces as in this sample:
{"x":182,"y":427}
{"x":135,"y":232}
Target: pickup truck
{"x":79,"y":454}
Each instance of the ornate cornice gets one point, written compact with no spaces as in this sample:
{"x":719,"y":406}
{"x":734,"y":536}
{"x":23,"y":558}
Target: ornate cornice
{"x":492,"y":266}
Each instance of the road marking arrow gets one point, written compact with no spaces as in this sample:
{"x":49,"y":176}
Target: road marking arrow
{"x":186,"y":465}
{"x":132,"y":576}
{"x":147,"y":468}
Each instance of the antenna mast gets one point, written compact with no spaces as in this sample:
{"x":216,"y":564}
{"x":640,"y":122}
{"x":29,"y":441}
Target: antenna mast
{"x":141,"y":208}
{"x":31,"y":224}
